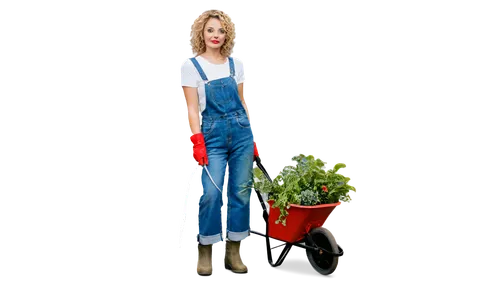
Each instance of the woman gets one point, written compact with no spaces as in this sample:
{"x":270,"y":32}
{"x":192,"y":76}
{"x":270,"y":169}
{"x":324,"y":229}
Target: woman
{"x":213,"y":85}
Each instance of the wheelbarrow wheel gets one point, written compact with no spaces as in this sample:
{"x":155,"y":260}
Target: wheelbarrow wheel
{"x":323,"y":262}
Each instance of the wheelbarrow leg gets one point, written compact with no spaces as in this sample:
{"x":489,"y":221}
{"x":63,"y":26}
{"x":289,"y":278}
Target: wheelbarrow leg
{"x":276,"y":260}
{"x":282,"y":256}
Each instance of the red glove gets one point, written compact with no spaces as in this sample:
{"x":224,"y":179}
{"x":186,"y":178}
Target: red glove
{"x":199,"y":149}
{"x":255,"y":151}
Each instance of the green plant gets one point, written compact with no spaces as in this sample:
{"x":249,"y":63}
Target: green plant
{"x":307,"y":183}
{"x":308,"y":198}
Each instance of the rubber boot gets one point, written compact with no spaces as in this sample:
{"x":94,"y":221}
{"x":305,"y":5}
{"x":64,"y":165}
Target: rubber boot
{"x":232,"y":260}
{"x":204,"y":259}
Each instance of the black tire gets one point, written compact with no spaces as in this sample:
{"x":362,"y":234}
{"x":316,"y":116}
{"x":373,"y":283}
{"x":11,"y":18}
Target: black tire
{"x":321,"y":261}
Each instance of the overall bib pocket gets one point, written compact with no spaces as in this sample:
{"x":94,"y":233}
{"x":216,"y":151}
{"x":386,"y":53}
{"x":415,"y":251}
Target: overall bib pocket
{"x":220,"y":94}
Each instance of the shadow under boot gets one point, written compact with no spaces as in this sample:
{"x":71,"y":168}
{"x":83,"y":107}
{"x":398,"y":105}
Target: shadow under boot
{"x":204,"y":260}
{"x":232,"y":260}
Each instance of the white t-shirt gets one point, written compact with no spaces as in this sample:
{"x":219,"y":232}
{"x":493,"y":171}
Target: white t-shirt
{"x":191,"y":77}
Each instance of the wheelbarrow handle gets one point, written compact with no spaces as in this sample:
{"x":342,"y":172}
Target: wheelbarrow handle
{"x":261,"y":167}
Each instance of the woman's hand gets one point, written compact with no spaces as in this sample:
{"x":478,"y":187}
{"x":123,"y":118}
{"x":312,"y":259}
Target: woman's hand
{"x":199,"y":149}
{"x":255,"y":151}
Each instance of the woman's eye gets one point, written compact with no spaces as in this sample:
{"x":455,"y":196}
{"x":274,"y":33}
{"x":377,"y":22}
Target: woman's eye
{"x":220,"y":31}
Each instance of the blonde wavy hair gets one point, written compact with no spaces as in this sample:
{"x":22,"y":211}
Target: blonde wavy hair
{"x":197,"y":40}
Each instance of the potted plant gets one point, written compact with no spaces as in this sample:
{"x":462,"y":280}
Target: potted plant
{"x":306,"y":184}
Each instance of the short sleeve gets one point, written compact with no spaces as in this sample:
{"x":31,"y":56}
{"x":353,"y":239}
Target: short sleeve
{"x":188,"y":76}
{"x":240,"y":72}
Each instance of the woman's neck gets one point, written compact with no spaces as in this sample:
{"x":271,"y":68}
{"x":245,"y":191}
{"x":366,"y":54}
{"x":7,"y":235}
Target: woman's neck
{"x":213,"y":55}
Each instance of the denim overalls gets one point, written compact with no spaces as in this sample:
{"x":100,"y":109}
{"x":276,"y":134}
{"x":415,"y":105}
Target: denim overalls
{"x":229,"y":141}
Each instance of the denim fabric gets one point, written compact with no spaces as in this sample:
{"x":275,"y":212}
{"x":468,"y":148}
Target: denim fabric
{"x":229,"y":142}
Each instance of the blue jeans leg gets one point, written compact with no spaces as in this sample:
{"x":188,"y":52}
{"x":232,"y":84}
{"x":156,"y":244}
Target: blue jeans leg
{"x":239,"y":186}
{"x":209,"y":217}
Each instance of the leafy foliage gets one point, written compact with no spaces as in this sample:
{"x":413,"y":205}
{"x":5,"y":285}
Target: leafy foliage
{"x":308,"y":198}
{"x":307,"y":183}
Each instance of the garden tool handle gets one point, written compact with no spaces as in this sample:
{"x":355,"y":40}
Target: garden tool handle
{"x":261,"y":167}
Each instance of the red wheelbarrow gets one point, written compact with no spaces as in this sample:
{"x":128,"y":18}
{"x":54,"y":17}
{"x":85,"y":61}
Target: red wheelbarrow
{"x":303,"y":229}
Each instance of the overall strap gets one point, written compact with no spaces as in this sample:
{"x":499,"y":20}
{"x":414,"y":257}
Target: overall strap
{"x":231,"y":66}
{"x":198,"y":67}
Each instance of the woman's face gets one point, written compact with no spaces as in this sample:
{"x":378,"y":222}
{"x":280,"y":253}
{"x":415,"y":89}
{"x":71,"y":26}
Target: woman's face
{"x":214,"y":34}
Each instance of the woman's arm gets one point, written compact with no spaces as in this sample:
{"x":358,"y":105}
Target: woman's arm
{"x":191,"y":95}
{"x":240,"y":93}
